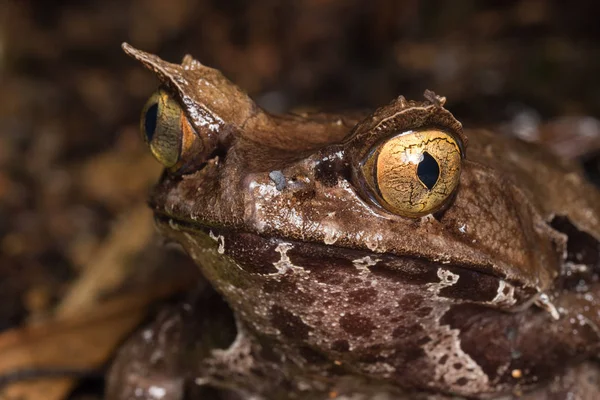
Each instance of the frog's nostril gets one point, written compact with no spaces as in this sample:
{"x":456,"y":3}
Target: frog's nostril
{"x":150,"y":121}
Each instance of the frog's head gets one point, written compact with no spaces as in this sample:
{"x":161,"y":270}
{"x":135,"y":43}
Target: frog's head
{"x":373,"y":242}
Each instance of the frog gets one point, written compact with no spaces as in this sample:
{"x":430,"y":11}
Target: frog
{"x":392,"y":254}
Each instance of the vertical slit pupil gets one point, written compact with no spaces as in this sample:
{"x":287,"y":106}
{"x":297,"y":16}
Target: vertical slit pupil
{"x":150,"y":121}
{"x":428,"y":171}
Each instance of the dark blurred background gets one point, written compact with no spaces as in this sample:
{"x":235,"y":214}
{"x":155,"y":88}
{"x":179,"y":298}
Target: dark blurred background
{"x":71,"y":162}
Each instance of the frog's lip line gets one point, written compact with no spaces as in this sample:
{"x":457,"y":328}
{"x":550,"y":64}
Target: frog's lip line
{"x":173,"y":222}
{"x":522,"y":304}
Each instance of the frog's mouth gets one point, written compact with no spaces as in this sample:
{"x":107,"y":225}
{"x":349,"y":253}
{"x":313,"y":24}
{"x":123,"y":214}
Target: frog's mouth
{"x":259,"y":255}
{"x":269,"y":256}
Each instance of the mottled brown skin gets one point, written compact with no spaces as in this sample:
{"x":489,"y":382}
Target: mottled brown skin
{"x":335,"y":297}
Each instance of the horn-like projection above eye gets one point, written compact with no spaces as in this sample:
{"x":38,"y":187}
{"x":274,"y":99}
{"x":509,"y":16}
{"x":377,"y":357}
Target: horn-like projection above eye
{"x":166,"y":129}
{"x":414,"y":173}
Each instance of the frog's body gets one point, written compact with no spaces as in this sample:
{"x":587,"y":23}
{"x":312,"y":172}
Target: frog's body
{"x":339,"y":287}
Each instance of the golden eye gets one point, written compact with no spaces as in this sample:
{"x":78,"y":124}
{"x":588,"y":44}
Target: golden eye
{"x":414,"y":173}
{"x":166,"y":129}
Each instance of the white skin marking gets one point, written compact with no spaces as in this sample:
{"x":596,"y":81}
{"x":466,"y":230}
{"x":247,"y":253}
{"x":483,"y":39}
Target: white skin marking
{"x":236,"y":360}
{"x":363,"y":264}
{"x":202,"y":118}
{"x":446,"y":344}
{"x":285,"y":264}
{"x":447,"y":278}
{"x":449,"y":345}
{"x":219,"y":239}
{"x":504,"y":299}
{"x":543,"y":301}
{"x":374,"y":243}
{"x":331,"y":231}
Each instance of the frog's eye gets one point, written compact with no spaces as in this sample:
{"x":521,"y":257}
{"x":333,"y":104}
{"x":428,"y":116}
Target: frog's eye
{"x":165,"y":128}
{"x":414,"y":173}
